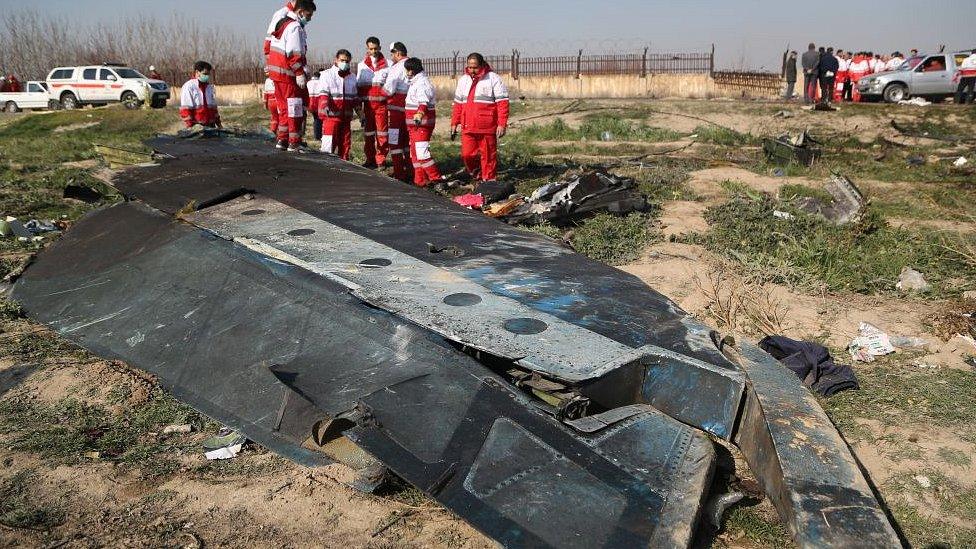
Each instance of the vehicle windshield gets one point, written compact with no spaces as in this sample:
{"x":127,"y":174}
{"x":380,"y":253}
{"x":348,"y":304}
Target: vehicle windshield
{"x":910,"y":63}
{"x":125,"y":72}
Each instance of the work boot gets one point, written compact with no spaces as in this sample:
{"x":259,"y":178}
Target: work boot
{"x":369,"y":165}
{"x":294,"y":148}
{"x":281,"y":145}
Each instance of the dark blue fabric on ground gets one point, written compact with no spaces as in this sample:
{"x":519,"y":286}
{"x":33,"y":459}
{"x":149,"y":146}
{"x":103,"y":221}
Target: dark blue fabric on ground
{"x":812,"y":363}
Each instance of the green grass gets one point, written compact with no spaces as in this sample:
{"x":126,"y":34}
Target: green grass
{"x":757,"y":526}
{"x":70,"y":430}
{"x":808,"y":252}
{"x":717,"y":135}
{"x":593,"y":127}
{"x":20,"y":506}
{"x":614,"y":240}
{"x":897,"y":393}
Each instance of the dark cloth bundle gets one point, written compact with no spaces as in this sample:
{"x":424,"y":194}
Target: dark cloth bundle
{"x":812,"y":363}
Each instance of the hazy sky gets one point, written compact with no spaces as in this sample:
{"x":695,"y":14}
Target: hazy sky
{"x":749,"y":33}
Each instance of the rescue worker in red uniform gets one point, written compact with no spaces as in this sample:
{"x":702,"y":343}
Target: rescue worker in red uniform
{"x":287,"y":66}
{"x":198,"y":101}
{"x":371,"y":75}
{"x":338,"y":104}
{"x":843,"y":69}
{"x":421,"y":107}
{"x":278,"y":16}
{"x":395,"y":89}
{"x":481,"y":107}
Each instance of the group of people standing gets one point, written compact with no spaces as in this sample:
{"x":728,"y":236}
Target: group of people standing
{"x":830,"y":76}
{"x":393,"y":99}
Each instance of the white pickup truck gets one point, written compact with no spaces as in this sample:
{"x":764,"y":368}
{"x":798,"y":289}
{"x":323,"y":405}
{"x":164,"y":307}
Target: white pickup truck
{"x":73,"y":87}
{"x":34,"y":96}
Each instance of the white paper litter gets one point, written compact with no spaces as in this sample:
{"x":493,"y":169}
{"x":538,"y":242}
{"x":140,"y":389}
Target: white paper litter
{"x":227,"y":452}
{"x":916,"y":102}
{"x":871,"y":343}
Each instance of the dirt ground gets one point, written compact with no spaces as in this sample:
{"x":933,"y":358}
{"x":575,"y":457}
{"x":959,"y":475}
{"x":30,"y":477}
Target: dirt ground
{"x":65,"y":485}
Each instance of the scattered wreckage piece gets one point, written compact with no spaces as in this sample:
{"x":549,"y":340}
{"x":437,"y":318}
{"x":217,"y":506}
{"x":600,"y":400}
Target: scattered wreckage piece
{"x":787,"y":149}
{"x":275,"y":350}
{"x":563,"y":202}
{"x":848,"y":204}
{"x":309,"y":302}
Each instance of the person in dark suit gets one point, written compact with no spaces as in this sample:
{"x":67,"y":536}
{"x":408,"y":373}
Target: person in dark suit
{"x":828,"y":74}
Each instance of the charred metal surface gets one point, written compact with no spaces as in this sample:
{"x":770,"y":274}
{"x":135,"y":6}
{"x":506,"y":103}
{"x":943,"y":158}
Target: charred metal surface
{"x":503,"y":261}
{"x":234,"y":332}
{"x":803,"y":464}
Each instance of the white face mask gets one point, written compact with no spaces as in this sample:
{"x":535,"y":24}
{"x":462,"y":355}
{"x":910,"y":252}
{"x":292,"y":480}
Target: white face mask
{"x":343,"y":65}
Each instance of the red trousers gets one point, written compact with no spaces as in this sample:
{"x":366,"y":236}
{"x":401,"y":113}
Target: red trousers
{"x":480,"y":152}
{"x":376,"y":133}
{"x":337,"y":136}
{"x":291,"y":102}
{"x":399,"y":144}
{"x":273,"y":110}
{"x":424,"y":168}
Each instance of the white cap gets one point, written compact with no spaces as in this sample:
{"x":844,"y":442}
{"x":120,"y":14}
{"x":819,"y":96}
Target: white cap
{"x":152,"y":68}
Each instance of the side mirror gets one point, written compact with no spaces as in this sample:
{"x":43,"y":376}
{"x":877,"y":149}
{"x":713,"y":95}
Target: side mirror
{"x":112,"y":77}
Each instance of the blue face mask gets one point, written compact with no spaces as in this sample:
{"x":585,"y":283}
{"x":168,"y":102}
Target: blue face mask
{"x":204,"y":78}
{"x":302,"y":21}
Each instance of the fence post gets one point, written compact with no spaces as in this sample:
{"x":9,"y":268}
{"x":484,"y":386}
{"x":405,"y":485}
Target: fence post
{"x":644,"y":64}
{"x":454,"y":67}
{"x":711,"y":62}
{"x":579,"y":65}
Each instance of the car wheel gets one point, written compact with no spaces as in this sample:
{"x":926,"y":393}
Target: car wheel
{"x":895,"y":93}
{"x":131,"y":101}
{"x":69,"y":101}
{"x":11,"y":107}
{"x":54,"y":105}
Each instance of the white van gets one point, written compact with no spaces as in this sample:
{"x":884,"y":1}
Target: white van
{"x":102,"y":84}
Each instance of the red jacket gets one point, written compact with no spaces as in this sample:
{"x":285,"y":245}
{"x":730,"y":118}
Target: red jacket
{"x":278,"y":16}
{"x":198,"y":104}
{"x":371,"y":78}
{"x":420,"y":99}
{"x":338,"y":96}
{"x":286,"y":59}
{"x":481,"y":104}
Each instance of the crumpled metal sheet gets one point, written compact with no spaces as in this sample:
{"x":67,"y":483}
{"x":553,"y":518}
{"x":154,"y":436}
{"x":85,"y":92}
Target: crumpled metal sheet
{"x":236,"y":333}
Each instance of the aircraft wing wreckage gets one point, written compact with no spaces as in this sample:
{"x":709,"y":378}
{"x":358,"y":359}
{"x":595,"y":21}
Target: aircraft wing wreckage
{"x":549,"y":400}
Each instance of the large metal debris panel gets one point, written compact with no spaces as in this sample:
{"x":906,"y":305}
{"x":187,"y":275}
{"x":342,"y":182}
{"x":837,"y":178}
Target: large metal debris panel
{"x":233,"y":332}
{"x":505,"y":261}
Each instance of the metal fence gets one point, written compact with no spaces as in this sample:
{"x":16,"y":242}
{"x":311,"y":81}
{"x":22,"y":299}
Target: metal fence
{"x":637,"y":64}
{"x":761,"y":82}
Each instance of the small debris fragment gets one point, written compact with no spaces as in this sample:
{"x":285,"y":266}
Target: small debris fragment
{"x":782,"y":215}
{"x":915,"y":102}
{"x":716,"y":507}
{"x":911,"y":280}
{"x":562,"y":202}
{"x":177,"y":429}
{"x":847,"y":204}
{"x":783,"y":114}
{"x":870,"y":344}
{"x":82,"y":193}
{"x":923,"y":481}
{"x":971,"y":294}
{"x":960,"y":162}
{"x":225,"y":445}
{"x":798,"y":148}
{"x":916,"y":160}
